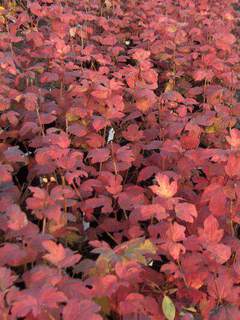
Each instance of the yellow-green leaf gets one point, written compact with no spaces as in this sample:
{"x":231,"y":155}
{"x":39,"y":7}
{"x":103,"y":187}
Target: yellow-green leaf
{"x":147,"y":247}
{"x":137,"y":250}
{"x":211,"y":129}
{"x":190,"y":309}
{"x":71,"y":117}
{"x":168,"y":308}
{"x":104,"y":303}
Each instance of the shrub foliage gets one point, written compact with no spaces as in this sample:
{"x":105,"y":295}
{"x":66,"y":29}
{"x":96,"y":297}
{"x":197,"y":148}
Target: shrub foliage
{"x":119,"y":160}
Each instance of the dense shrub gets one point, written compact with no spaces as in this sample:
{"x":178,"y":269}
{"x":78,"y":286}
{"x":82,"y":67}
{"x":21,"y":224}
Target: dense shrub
{"x":120,"y":160}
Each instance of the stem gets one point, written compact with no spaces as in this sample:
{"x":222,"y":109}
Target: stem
{"x":114,"y":161}
{"x":39,"y":120}
{"x":104,"y":142}
{"x":64,"y":201}
{"x":44,"y":225}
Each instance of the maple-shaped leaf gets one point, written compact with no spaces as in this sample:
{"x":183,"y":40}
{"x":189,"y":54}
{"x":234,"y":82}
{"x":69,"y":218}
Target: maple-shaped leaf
{"x":46,"y":118}
{"x":14,"y":154}
{"x":15,"y":255}
{"x":234,"y":138}
{"x":147,"y":173}
{"x":114,"y":184}
{"x":24,"y":306}
{"x":36,"y":9}
{"x":99,"y":155}
{"x":144,"y":306}
{"x":200,"y":74}
{"x":102,"y":201}
{"x":190,"y":140}
{"x":53,"y":213}
{"x":133,"y":133}
{"x":232,"y":167}
{"x":136,"y":249}
{"x":58,"y":255}
{"x":145,"y":99}
{"x":131,"y":197}
{"x":100,"y":123}
{"x":211,"y":232}
{"x":145,"y":212}
{"x":186,"y":211}
{"x":225,"y":312}
{"x":176,"y":232}
{"x":174,"y":235}
{"x":100,"y":92}
{"x":220,"y":287}
{"x":125,"y":154}
{"x":224,"y":40}
{"x":141,"y":54}
{"x":164,"y":188}
{"x":61,"y":139}
{"x":172,"y":95}
{"x":17,"y":218}
{"x":218,"y":203}
{"x":31,"y":101}
{"x":130,"y":271}
{"x":36,"y":300}
{"x":219,"y":252}
{"x":150,"y":76}
{"x":41,"y":274}
{"x":84,"y":310}
{"x":105,"y":286}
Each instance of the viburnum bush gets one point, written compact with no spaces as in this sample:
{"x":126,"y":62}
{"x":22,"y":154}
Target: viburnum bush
{"x":119,"y":160}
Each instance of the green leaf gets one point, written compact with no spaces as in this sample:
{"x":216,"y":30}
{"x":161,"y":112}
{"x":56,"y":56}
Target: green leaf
{"x":168,"y":308}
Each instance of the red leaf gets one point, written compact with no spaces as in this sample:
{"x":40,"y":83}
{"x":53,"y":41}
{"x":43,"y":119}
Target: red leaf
{"x":31,"y":101}
{"x":54,"y":213}
{"x":100,"y":92}
{"x":15,"y":255}
{"x":176,"y":232}
{"x":165,"y":188}
{"x":17,"y":218}
{"x":234,"y":139}
{"x":36,"y":301}
{"x":211,"y":232}
{"x":132,"y":133}
{"x":84,"y":310}
{"x":232,"y":167}
{"x":6,"y":278}
{"x":141,"y":54}
{"x":99,"y":155}
{"x":36,"y":9}
{"x":56,"y":252}
{"x":125,"y":154}
{"x":114,"y":185}
{"x":219,"y":252}
{"x":145,"y":99}
{"x":186,"y":211}
{"x":200,"y":75}
{"x":147,"y":172}
{"x":59,"y":256}
{"x":145,"y":212}
{"x":14,"y":154}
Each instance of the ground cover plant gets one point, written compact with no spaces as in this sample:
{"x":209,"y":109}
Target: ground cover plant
{"x":119,"y":160}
